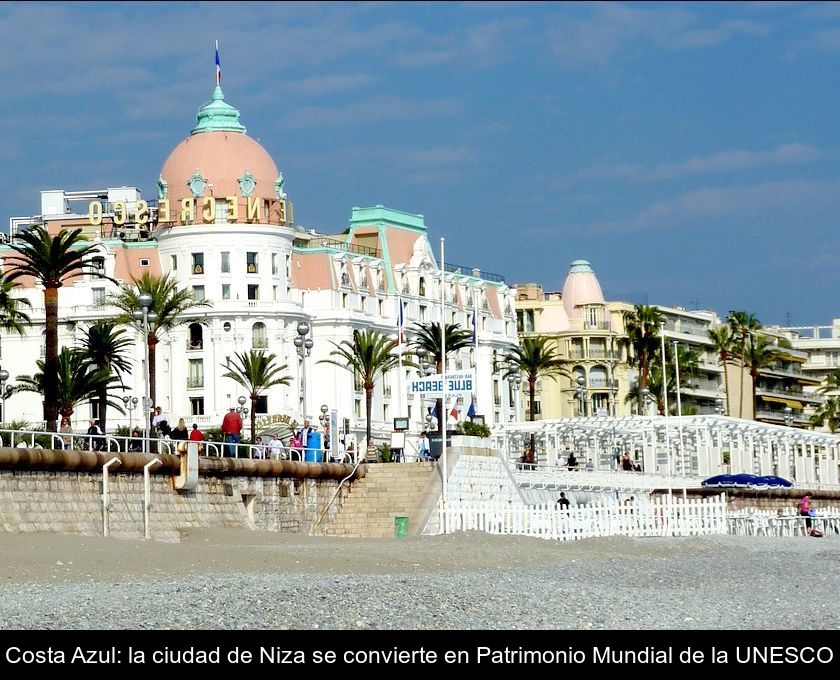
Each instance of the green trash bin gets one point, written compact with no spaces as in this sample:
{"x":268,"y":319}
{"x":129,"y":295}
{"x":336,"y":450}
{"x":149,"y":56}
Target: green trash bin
{"x":400,"y":526}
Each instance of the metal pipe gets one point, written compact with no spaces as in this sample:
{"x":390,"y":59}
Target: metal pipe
{"x":147,"y":496}
{"x":106,"y":496}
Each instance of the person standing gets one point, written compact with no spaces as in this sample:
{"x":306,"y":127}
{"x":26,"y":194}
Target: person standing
{"x":161,"y":422}
{"x":231,"y":430}
{"x":95,"y":436}
{"x":180,"y":434}
{"x":423,"y":452}
{"x":563,"y":502}
{"x":196,"y":435}
{"x":806,"y":510}
{"x":66,"y":434}
{"x":306,"y":434}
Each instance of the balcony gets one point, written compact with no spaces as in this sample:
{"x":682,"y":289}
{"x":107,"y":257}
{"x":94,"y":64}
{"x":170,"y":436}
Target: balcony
{"x":194,"y":346}
{"x":259,"y":343}
{"x":195,"y":382}
{"x":597,"y":326}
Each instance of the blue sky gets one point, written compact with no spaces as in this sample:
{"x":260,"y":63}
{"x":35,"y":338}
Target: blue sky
{"x":689,"y":151}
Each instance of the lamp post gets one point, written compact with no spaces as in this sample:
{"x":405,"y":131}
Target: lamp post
{"x":515,"y":380}
{"x":130,"y":405}
{"x":146,"y":315}
{"x":719,"y":406}
{"x":304,"y":345}
{"x":580,"y":391}
{"x":788,"y":414}
{"x":4,"y":376}
{"x":613,"y":395}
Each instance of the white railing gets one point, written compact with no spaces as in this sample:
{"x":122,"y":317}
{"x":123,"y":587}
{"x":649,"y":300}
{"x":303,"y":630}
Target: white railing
{"x":547,"y":476}
{"x":785,"y":523}
{"x":661,"y":517}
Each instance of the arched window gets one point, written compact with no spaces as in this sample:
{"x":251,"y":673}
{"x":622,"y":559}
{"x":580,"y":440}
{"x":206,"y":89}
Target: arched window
{"x":421,"y":288}
{"x":259,"y":336}
{"x":598,"y":376}
{"x":196,"y":336}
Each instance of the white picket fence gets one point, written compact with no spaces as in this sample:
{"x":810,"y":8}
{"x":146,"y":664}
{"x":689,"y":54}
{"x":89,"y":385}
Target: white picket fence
{"x":660,"y":517}
{"x":770,"y":523}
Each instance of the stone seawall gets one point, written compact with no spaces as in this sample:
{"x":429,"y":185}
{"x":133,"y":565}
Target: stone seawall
{"x":71,"y":502}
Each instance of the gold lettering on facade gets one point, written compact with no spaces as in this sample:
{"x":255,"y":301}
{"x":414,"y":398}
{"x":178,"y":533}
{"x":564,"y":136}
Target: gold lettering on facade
{"x":254,"y":208}
{"x":187,"y":210}
{"x":163,"y":210}
{"x":233,"y":208}
{"x":281,"y":212}
{"x":142,"y":214}
{"x":119,"y":212}
{"x":209,"y":212}
{"x":95,"y":213}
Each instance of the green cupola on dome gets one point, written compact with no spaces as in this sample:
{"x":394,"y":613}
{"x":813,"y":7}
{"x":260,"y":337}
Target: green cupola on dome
{"x":218,"y":115}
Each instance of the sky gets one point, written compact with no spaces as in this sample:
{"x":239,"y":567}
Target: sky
{"x":688,"y":151}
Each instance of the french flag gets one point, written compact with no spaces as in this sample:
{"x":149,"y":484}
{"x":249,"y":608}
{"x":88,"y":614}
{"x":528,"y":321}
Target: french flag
{"x":475,"y":330}
{"x":218,"y":66}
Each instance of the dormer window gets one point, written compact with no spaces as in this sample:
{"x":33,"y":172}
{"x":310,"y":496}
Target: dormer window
{"x":421,"y":287}
{"x":98,"y":265}
{"x":197,"y":184}
{"x":247,"y":183}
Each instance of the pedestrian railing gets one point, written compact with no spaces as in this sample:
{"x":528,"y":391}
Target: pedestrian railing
{"x":751,"y":522}
{"x":660,"y":517}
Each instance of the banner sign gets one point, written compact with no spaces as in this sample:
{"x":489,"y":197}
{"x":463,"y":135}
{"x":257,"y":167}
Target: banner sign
{"x":458,"y":383}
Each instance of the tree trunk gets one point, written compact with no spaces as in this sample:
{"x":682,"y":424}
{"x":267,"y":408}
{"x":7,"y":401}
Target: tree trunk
{"x":102,"y":400}
{"x":51,"y":358}
{"x":253,"y":418}
{"x":368,"y":407}
{"x":440,"y":404}
{"x":726,"y":385}
{"x":741,"y":391}
{"x":532,"y":388}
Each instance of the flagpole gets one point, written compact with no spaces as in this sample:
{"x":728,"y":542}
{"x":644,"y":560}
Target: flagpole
{"x":475,"y":351}
{"x":399,"y":357}
{"x":444,"y":414}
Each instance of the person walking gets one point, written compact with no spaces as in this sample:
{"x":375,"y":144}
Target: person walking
{"x":231,"y":430}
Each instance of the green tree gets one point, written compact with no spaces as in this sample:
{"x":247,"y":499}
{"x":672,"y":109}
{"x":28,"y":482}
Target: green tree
{"x":742,"y":324}
{"x":256,"y":371}
{"x":370,"y":355}
{"x":52,"y":261}
{"x":428,"y":339}
{"x":828,"y":412}
{"x":104,"y":346}
{"x":78,"y":380}
{"x":759,"y":353}
{"x":12,"y":317}
{"x":171,"y":305}
{"x":535,"y":358}
{"x":831,"y":382}
{"x":723,"y":345}
{"x":642,"y":328}
{"x":689,"y":367}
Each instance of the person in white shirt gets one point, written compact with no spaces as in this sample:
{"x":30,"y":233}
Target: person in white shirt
{"x":275,"y":447}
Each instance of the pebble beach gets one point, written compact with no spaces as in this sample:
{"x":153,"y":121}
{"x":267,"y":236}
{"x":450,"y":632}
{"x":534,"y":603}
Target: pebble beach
{"x":251,"y":580}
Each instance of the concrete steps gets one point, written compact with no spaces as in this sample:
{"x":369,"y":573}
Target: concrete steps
{"x":387,"y":491}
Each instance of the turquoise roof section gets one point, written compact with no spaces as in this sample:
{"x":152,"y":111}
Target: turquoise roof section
{"x":379,"y":213}
{"x":580,"y":266}
{"x":218,"y":115}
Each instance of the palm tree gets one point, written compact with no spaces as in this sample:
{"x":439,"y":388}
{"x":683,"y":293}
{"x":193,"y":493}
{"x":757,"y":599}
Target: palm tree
{"x":77,"y":380}
{"x":829,"y":411}
{"x":535,"y":358}
{"x":741,"y":324}
{"x":256,"y":372}
{"x":12,"y":318}
{"x":642,"y":328}
{"x":428,"y":340}
{"x":831,"y":382}
{"x":370,"y":356}
{"x":51,"y":261}
{"x":104,"y":346}
{"x":723,"y":345}
{"x":169,"y":302}
{"x":760,"y":353}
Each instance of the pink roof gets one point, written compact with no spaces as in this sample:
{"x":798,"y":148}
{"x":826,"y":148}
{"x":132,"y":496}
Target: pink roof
{"x":581,"y":288}
{"x":221,"y":158}
{"x":311,"y":271}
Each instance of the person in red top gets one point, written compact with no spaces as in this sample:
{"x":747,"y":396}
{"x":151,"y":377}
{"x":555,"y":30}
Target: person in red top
{"x":196,"y":435}
{"x":231,"y":429}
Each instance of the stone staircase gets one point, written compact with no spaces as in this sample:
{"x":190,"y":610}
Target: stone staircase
{"x":388,"y":490}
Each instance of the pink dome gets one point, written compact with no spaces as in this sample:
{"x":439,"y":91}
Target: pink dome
{"x":581,"y":288}
{"x":222,"y":158}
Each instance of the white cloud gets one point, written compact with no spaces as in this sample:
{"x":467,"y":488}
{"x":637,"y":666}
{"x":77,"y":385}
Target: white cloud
{"x":376,"y":109}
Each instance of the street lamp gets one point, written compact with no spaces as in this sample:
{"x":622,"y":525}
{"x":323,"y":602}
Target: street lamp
{"x":788,"y":411}
{"x":613,"y":394}
{"x":146,"y":315}
{"x":514,"y":379}
{"x":4,"y":376}
{"x":647,"y":398}
{"x":130,"y":405}
{"x":719,"y":406}
{"x":304,"y":345}
{"x":580,"y":391}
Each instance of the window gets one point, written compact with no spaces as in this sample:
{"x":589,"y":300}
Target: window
{"x":259,"y":336}
{"x":385,"y":412}
{"x":198,"y":293}
{"x":174,"y":263}
{"x":196,"y":376}
{"x":225,"y":263}
{"x":227,"y":327}
{"x":197,"y":406}
{"x":261,"y":405}
{"x":362,"y":303}
{"x":422,"y":312}
{"x":525,"y":321}
{"x":275,"y":293}
{"x":225,"y":291}
{"x":381,"y":308}
{"x":274,"y":270}
{"x":253,"y":292}
{"x":358,"y":383}
{"x":222,"y":209}
{"x":344,"y":300}
{"x":198,"y":263}
{"x":421,"y":288}
{"x":357,"y":407}
{"x":195,"y":339}
{"x":144,"y":261}
{"x":98,"y":295}
{"x":345,"y":278}
{"x":288,"y":266}
{"x":252,"y":266}
{"x":98,"y":265}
